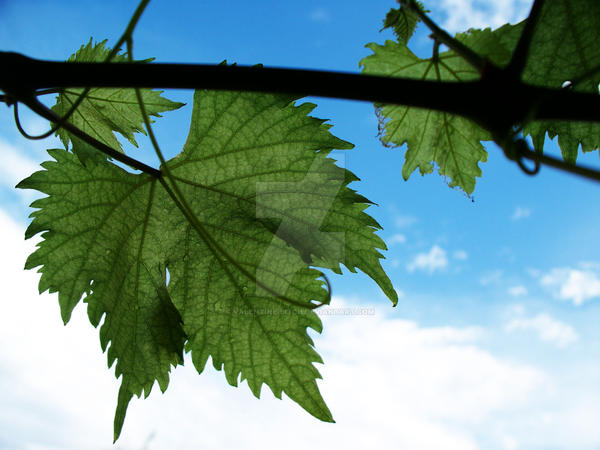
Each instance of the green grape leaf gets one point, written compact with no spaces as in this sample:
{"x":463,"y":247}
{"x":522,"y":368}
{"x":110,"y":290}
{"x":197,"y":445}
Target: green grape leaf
{"x":403,"y":21}
{"x":105,"y":111}
{"x":270,"y":206}
{"x":450,"y":141}
{"x":564,"y":51}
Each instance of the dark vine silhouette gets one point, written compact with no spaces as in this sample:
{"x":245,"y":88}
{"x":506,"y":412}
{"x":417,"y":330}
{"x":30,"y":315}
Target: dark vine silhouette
{"x":499,"y":101}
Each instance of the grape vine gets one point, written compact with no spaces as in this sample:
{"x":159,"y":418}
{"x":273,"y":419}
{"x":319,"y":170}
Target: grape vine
{"x":221,"y":250}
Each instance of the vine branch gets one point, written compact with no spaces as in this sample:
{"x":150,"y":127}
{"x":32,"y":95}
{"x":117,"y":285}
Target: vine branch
{"x":496,"y":104}
{"x":484,"y":102}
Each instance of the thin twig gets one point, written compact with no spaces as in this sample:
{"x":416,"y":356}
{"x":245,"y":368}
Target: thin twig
{"x":547,"y":160}
{"x":41,"y":109}
{"x":47,"y":92}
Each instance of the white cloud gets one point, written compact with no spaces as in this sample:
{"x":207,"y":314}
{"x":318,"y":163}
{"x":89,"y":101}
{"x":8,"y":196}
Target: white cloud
{"x":509,"y":443}
{"x":460,"y":255}
{"x":397,"y":238}
{"x":460,"y":15}
{"x":520,"y":213}
{"x":390,"y":383}
{"x":35,"y":125}
{"x":590,"y":265}
{"x":15,"y":166}
{"x":433,"y":260}
{"x":516,"y":309}
{"x":405,"y":221}
{"x":320,"y":15}
{"x":517,"y":291}
{"x":547,"y":329}
{"x":436,"y":380}
{"x":577,"y":285}
{"x":491,"y":277}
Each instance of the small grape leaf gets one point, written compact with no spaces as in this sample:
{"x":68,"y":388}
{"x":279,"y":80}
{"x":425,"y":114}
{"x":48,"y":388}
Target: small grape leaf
{"x":564,"y":48}
{"x":108,"y":110}
{"x":431,"y":136}
{"x":403,"y":21}
{"x":268,"y":201}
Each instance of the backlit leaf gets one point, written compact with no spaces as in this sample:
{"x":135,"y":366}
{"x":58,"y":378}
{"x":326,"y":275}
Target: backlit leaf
{"x":450,"y":141}
{"x":270,"y":206}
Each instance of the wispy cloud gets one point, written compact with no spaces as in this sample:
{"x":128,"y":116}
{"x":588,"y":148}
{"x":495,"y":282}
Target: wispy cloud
{"x":517,"y":291}
{"x":440,"y":373}
{"x":460,"y":255}
{"x":547,"y":329}
{"x":15,"y":166}
{"x":459,"y":15}
{"x":491,"y":277}
{"x":402,"y":221}
{"x":576,"y":285}
{"x":396,"y":239}
{"x":520,"y":213}
{"x":431,"y":261}
{"x":320,"y":15}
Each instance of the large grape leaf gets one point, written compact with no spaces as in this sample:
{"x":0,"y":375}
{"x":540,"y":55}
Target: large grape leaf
{"x":450,"y":141}
{"x":564,"y":49}
{"x":105,"y":111}
{"x":269,"y":203}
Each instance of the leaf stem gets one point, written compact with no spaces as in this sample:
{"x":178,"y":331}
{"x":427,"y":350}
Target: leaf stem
{"x":181,"y":202}
{"x":518,"y":59}
{"x":205,"y":236}
{"x":442,"y":36}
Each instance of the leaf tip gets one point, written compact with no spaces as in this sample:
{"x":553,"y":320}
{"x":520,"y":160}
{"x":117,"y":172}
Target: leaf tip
{"x":122,"y":404}
{"x":394,"y":298}
{"x":327,"y":417}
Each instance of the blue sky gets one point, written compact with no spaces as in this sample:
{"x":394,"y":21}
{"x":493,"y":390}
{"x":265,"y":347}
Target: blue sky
{"x":494,"y":343}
